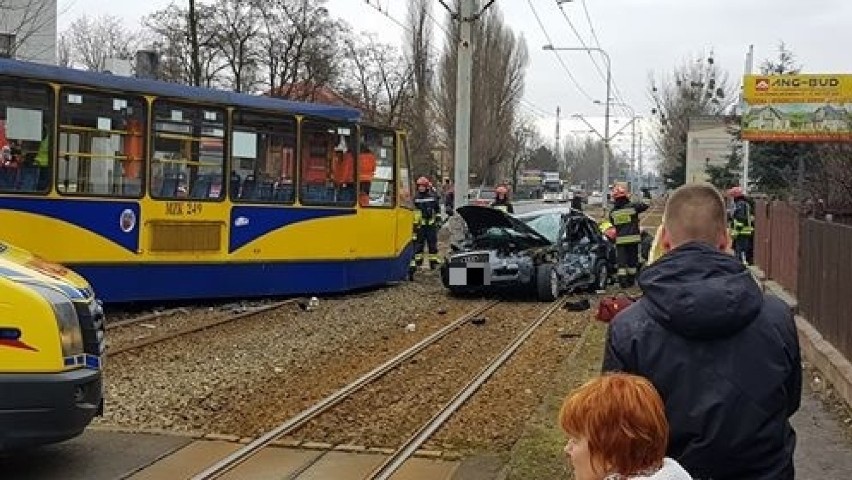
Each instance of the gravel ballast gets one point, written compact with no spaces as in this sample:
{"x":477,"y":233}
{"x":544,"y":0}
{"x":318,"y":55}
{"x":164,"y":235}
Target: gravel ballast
{"x":217,"y":380}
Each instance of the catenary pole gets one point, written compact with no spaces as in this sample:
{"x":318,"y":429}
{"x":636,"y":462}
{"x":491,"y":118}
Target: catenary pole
{"x":748,"y":68}
{"x":463,"y":93}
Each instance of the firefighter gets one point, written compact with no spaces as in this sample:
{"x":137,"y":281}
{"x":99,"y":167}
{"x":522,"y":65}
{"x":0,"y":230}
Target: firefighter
{"x":625,"y":217}
{"x":501,"y":202}
{"x":741,"y":219}
{"x":427,"y":217}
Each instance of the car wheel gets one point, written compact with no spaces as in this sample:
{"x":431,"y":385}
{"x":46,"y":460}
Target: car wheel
{"x":601,"y":277}
{"x":547,"y":283}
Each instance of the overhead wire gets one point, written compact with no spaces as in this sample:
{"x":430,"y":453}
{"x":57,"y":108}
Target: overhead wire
{"x":615,"y":90}
{"x":561,"y":62}
{"x":387,"y":14}
{"x":531,"y":107}
{"x":598,"y":44}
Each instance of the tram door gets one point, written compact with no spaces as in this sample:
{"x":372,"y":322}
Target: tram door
{"x":377,"y":168}
{"x":404,"y":194}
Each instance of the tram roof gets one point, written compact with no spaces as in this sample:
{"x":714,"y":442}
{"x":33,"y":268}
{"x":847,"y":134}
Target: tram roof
{"x":84,"y":78}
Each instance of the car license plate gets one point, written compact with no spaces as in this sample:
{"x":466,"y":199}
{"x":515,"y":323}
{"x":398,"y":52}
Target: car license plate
{"x":470,"y":271}
{"x":474,"y":258}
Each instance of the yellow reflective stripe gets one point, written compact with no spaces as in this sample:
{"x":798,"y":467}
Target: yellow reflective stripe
{"x":620,"y":240}
{"x":623,"y":216}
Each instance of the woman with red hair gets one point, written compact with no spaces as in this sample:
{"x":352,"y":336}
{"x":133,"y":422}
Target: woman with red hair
{"x":617,"y":430}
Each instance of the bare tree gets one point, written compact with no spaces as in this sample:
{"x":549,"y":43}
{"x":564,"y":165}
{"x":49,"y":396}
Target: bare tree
{"x":24,"y":21}
{"x":171,"y":30}
{"x":499,"y":64}
{"x":91,"y":42}
{"x":235,"y":27}
{"x":298,"y":47}
{"x":195,"y":48}
{"x":524,"y":139}
{"x":380,"y":78}
{"x":696,"y":87}
{"x":64,"y":50}
{"x":585,"y":157}
{"x":418,"y":45}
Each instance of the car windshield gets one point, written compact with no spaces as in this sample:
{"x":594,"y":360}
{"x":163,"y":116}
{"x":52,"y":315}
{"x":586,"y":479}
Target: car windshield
{"x":487,"y":194}
{"x":552,"y":187}
{"x":546,"y":224}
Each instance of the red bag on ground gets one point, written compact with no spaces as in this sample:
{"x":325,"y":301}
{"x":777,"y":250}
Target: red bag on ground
{"x":609,"y":307}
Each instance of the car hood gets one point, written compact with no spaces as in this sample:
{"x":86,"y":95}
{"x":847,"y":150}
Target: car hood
{"x":480,"y":219}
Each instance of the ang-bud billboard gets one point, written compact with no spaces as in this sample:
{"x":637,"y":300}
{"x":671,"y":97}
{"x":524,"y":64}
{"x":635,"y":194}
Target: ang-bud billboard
{"x":797,"y":108}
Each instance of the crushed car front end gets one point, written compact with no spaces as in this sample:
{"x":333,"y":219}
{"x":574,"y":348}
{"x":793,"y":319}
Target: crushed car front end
{"x":499,"y":253}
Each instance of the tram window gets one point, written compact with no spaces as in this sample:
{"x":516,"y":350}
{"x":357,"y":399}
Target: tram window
{"x":26,"y":127}
{"x":328,"y":164}
{"x":405,"y":198}
{"x":263,"y":152}
{"x":376,"y":161}
{"x":188,"y":158}
{"x":101,"y":144}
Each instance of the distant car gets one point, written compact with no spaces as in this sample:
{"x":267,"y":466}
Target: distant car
{"x":546,"y":252}
{"x":483,"y":197}
{"x":596,"y":198}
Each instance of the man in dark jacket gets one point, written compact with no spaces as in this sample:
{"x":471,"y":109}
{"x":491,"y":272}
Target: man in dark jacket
{"x":723,"y":355}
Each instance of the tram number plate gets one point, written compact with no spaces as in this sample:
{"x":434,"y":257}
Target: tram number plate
{"x":183,"y":208}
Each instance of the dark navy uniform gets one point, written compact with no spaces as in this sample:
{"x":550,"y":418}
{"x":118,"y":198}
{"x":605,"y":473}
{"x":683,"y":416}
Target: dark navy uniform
{"x":625,"y":219}
{"x":427,"y":216}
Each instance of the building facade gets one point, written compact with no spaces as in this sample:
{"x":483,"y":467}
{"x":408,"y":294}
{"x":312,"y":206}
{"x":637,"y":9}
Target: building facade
{"x":28,"y":30}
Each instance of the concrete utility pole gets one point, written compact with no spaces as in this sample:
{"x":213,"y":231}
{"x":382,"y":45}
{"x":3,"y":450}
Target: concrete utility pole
{"x":463,"y":91}
{"x":748,"y":68}
{"x":607,"y":152}
{"x":641,"y":178}
{"x":558,"y":146}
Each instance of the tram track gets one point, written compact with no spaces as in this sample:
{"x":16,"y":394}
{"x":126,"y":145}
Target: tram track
{"x":188,"y":329}
{"x":520,"y":332}
{"x":147,"y":317}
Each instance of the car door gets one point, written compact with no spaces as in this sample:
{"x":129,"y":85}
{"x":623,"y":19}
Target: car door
{"x":575,"y":253}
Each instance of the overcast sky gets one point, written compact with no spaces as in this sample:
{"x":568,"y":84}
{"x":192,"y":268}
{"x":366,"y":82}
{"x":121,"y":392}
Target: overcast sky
{"x":641,"y":36}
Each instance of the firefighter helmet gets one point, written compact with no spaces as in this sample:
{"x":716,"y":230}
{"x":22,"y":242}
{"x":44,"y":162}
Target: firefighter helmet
{"x":423,"y":181}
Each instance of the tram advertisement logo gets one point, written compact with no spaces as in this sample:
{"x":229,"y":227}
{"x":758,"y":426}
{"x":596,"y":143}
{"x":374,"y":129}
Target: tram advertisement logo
{"x":127,"y":220}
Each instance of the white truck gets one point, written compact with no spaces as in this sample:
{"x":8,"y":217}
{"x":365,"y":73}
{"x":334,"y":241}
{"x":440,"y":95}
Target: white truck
{"x":554,"y":188}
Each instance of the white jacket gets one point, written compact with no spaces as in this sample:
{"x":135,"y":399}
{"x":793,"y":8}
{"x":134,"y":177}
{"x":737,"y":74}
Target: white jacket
{"x":671,"y":471}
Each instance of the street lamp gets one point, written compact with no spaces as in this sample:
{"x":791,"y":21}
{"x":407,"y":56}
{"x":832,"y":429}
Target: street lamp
{"x":607,"y":153}
{"x":632,"y":134}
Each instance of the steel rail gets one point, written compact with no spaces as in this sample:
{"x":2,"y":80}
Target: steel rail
{"x":402,"y":454}
{"x":235,"y":459}
{"x":145,"y":317}
{"x":196,"y":328}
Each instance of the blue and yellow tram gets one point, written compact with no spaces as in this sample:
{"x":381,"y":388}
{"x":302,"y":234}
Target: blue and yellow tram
{"x":154,"y":191}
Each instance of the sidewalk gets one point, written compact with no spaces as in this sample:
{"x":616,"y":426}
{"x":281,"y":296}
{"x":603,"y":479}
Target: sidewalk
{"x":823,"y":449}
{"x":824,"y":437}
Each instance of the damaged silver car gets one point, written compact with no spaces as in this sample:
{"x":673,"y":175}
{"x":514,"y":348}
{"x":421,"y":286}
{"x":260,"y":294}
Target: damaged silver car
{"x":545,"y":253}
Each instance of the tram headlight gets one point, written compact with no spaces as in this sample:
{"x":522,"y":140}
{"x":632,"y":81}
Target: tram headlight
{"x":70,"y":332}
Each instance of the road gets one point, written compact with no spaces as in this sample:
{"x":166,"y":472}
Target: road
{"x":530,"y":206}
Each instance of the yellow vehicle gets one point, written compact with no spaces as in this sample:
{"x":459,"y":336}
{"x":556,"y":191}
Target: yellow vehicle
{"x":158,"y":191}
{"x":51,"y":345}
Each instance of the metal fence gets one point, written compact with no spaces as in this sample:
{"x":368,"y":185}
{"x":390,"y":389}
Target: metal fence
{"x":825,"y":277}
